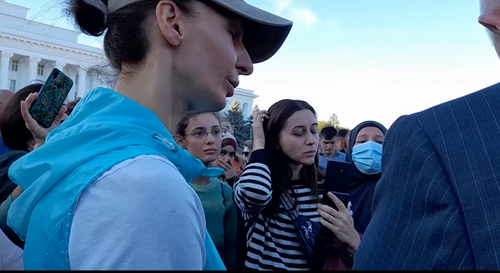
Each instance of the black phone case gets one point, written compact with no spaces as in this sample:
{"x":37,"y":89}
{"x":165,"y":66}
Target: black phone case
{"x":337,"y":182}
{"x":51,"y":97}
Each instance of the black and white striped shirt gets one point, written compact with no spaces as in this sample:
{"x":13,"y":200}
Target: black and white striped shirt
{"x":273,"y":244}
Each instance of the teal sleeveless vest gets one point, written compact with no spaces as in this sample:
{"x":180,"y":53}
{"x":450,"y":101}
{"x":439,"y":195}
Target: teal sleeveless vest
{"x":104,"y":130}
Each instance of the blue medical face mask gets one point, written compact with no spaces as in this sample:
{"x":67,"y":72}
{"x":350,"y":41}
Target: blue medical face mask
{"x":367,"y":157}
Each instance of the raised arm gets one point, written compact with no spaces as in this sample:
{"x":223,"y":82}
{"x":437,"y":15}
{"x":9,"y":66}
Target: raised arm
{"x":252,"y":192}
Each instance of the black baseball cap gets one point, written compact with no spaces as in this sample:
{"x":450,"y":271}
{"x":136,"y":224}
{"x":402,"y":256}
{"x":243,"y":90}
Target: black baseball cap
{"x":264,"y":33}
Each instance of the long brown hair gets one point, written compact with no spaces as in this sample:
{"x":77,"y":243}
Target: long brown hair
{"x":281,"y":173}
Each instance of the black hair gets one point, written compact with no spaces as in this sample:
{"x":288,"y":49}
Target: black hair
{"x":328,"y":132}
{"x":15,"y":135}
{"x":342,"y":133}
{"x":126,"y":40}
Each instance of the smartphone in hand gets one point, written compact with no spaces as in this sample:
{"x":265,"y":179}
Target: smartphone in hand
{"x":337,"y":182}
{"x":51,"y":97}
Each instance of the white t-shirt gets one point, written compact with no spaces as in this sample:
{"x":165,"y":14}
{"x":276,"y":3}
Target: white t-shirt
{"x":11,"y":256}
{"x":139,"y":215}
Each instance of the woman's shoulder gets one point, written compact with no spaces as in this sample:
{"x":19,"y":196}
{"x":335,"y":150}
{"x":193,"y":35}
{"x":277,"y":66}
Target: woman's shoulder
{"x":146,"y":173}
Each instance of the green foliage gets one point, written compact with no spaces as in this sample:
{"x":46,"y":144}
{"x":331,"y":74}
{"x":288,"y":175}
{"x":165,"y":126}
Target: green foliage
{"x":240,"y":124}
{"x":334,"y":121}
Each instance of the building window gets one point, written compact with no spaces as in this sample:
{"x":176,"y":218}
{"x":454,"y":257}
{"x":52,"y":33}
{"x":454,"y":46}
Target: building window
{"x":14,"y":65}
{"x":13,"y":85}
{"x":40,"y":70}
{"x":245,"y":107}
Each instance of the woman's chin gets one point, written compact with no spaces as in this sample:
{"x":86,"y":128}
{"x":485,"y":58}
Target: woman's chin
{"x":209,"y":105}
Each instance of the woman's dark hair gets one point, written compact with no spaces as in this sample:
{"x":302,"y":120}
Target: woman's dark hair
{"x":126,"y":38}
{"x":342,"y":133}
{"x":281,"y":173}
{"x":15,"y":135}
{"x":183,"y":123}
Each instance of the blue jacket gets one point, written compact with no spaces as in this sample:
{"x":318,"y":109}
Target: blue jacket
{"x":104,"y":129}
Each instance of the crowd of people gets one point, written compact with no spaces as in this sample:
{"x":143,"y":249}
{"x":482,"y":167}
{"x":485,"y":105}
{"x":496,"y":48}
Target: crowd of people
{"x":148,"y":176}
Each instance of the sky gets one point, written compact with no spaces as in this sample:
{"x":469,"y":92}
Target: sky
{"x":361,"y":59}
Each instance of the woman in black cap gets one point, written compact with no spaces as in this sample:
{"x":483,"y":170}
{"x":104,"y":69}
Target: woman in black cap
{"x":107,"y":190}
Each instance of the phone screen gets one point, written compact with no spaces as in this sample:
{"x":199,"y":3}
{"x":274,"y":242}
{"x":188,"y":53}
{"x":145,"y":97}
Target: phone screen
{"x":51,"y":97}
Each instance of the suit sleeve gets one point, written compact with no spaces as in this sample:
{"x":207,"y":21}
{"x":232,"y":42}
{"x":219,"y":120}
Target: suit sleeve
{"x":416,"y":221}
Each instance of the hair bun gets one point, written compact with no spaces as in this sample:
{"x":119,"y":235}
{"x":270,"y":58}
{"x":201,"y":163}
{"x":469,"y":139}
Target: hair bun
{"x":89,"y":19}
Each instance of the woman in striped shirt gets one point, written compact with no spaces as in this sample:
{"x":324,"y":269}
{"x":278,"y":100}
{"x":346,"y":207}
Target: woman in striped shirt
{"x":282,"y":167}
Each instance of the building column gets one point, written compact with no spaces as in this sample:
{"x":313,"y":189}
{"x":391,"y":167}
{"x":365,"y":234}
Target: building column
{"x":82,"y":81}
{"x":60,"y":66}
{"x":33,"y":68}
{"x":4,"y":70}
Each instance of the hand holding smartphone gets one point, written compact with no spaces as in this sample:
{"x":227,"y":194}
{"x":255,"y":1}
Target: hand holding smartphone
{"x":337,"y":182}
{"x":51,"y":97}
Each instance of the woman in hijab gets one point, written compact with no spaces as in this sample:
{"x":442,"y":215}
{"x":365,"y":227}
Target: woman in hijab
{"x":365,"y":153}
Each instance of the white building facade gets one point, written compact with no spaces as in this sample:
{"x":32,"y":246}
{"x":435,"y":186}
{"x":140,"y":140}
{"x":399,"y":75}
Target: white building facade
{"x":245,"y":98}
{"x":29,"y":51}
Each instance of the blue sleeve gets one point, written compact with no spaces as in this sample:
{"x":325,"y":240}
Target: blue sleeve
{"x":416,"y":223}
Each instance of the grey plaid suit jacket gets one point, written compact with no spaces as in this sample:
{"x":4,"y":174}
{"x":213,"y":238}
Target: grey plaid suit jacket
{"x":437,"y":204}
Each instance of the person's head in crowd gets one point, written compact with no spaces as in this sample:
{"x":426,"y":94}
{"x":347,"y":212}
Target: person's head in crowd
{"x":201,"y":135}
{"x":346,"y":140}
{"x":340,"y":140}
{"x":292,"y":138}
{"x":490,"y":18}
{"x":365,"y":147}
{"x":241,"y":163}
{"x":5,"y":96}
{"x":228,"y":148}
{"x":176,"y":56}
{"x":226,"y":126}
{"x":12,"y":125}
{"x":327,"y":140}
{"x":247,"y":150}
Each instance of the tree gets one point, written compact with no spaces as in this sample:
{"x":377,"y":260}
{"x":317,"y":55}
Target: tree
{"x":255,"y":108}
{"x":249,"y":121}
{"x":240,"y":125}
{"x":322,"y":124}
{"x":334,"y":120}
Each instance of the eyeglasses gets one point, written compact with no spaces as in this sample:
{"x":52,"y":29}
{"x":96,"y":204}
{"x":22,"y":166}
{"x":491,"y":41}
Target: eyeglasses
{"x":217,"y":133}
{"x":246,"y":153}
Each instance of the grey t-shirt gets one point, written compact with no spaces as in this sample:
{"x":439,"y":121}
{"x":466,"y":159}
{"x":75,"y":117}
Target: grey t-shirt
{"x":139,"y":215}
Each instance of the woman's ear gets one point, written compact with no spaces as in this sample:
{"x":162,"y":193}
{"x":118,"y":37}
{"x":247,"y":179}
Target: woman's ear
{"x":181,"y":141}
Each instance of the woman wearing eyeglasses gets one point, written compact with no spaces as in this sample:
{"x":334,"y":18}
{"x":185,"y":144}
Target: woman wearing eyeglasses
{"x":200,"y":134}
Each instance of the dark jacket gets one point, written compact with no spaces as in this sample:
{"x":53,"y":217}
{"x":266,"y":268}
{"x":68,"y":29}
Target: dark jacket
{"x":6,"y":188}
{"x":437,"y":205}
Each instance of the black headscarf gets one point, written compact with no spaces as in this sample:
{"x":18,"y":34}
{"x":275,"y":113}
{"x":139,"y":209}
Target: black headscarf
{"x":362,"y":185}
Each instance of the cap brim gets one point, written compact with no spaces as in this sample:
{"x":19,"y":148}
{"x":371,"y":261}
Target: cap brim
{"x":264,"y":32}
